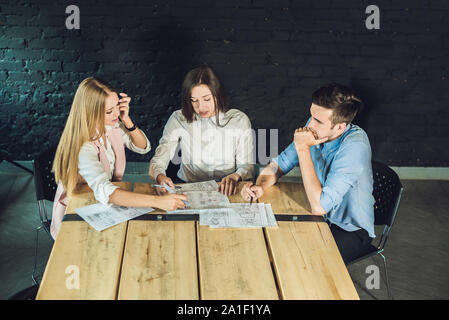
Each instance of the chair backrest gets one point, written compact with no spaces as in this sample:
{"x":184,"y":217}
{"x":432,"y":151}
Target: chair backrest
{"x":172,"y":169}
{"x":44,"y":179}
{"x":387,"y":189}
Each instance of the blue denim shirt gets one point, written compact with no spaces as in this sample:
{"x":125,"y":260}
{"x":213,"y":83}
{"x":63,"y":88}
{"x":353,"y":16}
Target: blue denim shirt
{"x":343,"y":167}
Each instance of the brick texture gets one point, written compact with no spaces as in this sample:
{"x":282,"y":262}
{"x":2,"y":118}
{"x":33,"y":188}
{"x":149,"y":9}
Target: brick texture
{"x":270,"y":54}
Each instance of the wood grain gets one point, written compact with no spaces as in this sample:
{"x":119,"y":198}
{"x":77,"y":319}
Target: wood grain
{"x":97,"y":256}
{"x":234,"y":263}
{"x":305,"y":256}
{"x":160,"y":259}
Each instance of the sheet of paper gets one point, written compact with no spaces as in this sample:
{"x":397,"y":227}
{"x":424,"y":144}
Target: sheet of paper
{"x":199,"y":200}
{"x":211,"y":185}
{"x":248,"y":216}
{"x":270,"y":216}
{"x":101,"y":217}
{"x":216,"y":218}
{"x":239,"y":215}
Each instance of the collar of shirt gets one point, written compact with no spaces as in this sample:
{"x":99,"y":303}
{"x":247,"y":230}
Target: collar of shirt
{"x":222,"y":118}
{"x":108,"y":128}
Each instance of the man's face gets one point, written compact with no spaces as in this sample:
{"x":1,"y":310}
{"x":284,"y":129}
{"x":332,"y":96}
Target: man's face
{"x":321,"y":124}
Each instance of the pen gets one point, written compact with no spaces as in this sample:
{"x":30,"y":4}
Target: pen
{"x":161,"y":186}
{"x":170,"y":190}
{"x":251,"y":201}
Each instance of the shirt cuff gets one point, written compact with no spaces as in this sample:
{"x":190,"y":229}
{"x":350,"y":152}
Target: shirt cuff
{"x":246,"y":172}
{"x":155,"y":172}
{"x":104,"y":192}
{"x":136,"y":149}
{"x":287,"y":159}
{"x":329,"y":199}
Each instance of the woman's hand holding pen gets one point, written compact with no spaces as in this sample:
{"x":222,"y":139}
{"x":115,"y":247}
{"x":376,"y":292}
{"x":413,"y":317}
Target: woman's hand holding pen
{"x":250,"y":190}
{"x":170,"y":202}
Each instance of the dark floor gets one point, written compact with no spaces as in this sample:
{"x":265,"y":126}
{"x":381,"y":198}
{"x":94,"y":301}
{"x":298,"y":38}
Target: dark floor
{"x":417,"y":253}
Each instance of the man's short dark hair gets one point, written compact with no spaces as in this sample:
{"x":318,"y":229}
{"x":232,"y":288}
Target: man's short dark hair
{"x":341,"y":99}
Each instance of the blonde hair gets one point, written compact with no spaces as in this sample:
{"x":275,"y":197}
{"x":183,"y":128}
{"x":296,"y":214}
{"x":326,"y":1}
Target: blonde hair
{"x":87,"y":114}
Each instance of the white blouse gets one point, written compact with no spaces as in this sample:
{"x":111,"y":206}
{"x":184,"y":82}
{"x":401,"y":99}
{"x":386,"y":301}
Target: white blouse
{"x":208,"y":151}
{"x":90,"y":167}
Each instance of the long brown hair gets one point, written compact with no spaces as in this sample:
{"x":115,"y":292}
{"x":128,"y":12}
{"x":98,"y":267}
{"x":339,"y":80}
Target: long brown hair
{"x":87,"y":115}
{"x":195,"y":77}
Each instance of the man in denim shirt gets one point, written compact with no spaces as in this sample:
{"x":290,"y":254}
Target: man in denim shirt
{"x":334,"y":156}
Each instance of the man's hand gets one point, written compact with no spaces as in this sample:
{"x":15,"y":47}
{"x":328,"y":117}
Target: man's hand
{"x":228,"y":185}
{"x":250,"y":190}
{"x":304,"y":138}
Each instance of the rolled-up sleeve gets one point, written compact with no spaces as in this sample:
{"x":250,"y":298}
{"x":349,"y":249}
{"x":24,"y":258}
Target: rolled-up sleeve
{"x":91,"y":170}
{"x":166,"y":148}
{"x":288,"y":159}
{"x":348,"y":164}
{"x":129,"y":143}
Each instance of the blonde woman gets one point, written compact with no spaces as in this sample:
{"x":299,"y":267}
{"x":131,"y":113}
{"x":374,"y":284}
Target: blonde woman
{"x":91,"y":150}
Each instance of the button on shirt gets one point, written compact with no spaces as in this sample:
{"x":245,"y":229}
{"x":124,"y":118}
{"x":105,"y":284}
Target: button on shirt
{"x":209,"y":152}
{"x":91,"y":170}
{"x":343,"y":167}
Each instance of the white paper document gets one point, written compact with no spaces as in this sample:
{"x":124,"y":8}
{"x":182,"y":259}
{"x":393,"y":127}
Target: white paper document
{"x":200,"y":200}
{"x":101,"y":217}
{"x":211,"y":185}
{"x":239,"y":215}
{"x":270,"y":216}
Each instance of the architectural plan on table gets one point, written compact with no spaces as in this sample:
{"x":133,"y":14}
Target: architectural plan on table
{"x":211,"y":185}
{"x":200,"y":200}
{"x":101,"y":217}
{"x":239,"y":215}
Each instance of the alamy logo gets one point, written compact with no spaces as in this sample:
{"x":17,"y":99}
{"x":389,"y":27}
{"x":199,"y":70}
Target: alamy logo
{"x":72,"y":282}
{"x":72,"y":21}
{"x":373,"y":280}
{"x":373,"y":20}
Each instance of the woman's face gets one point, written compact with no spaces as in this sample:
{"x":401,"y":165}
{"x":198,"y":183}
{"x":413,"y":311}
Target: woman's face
{"x":203,"y":101}
{"x":111,"y":109}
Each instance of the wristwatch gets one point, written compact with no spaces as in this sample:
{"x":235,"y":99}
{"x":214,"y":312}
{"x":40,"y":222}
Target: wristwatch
{"x":132,"y":128}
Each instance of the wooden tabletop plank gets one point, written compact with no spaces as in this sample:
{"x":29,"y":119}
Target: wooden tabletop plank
{"x":286,"y":197}
{"x":234,"y":263}
{"x":85,"y":196}
{"x":305,"y":256}
{"x":81,"y":250}
{"x":160,"y":259}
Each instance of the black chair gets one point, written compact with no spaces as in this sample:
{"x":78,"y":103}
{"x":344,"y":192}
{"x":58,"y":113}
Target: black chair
{"x":26,"y":294}
{"x":387,"y":191}
{"x":45,"y":185}
{"x":4,"y":155}
{"x":172,"y":169}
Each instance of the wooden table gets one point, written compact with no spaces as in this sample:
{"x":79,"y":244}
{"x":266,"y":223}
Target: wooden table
{"x":142,"y":259}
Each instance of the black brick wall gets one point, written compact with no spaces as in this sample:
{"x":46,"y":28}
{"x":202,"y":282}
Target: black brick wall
{"x":270,"y":54}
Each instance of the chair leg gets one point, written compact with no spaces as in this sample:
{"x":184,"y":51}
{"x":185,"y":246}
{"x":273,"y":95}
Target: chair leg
{"x":33,"y":277}
{"x":390,"y":297}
